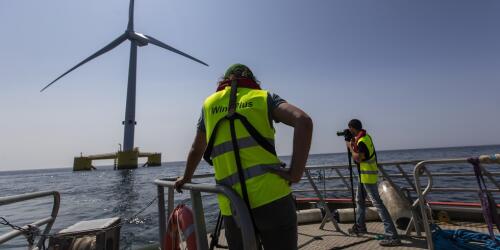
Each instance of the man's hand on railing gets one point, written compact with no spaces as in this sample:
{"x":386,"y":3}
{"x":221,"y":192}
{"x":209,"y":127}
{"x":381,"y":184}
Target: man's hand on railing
{"x":180,"y":182}
{"x":285,"y":173}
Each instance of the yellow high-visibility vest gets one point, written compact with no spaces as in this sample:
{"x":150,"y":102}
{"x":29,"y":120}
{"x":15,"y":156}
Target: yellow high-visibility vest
{"x":262,"y":187}
{"x":368,"y":167}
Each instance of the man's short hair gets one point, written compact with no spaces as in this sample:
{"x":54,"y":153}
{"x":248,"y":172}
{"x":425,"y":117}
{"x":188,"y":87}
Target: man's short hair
{"x":355,"y":124}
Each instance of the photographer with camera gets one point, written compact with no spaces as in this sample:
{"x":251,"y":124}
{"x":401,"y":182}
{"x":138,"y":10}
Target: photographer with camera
{"x":361,"y":146}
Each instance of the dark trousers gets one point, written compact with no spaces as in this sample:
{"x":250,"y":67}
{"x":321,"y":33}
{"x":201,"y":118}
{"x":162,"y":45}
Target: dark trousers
{"x":276,"y":224}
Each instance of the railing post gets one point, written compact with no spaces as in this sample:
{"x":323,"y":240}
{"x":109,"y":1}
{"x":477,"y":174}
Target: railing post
{"x":170,"y":201}
{"x":199,"y":220}
{"x":406,"y":176}
{"x":421,"y":201}
{"x":489,"y":176}
{"x":162,"y":215}
{"x":323,"y":203}
{"x":324,"y":183}
{"x":47,"y":221}
{"x":343,"y":179}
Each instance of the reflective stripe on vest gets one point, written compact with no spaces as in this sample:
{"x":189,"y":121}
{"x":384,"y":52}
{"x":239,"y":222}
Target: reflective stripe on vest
{"x":228,"y":146}
{"x":262,"y":187}
{"x":249,"y":173}
{"x":368,"y":168}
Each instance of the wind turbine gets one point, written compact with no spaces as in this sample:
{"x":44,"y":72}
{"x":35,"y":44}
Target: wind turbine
{"x":136,"y":39}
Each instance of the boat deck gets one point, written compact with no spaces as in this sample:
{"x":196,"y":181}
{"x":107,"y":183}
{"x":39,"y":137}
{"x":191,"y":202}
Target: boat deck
{"x":311,"y":237}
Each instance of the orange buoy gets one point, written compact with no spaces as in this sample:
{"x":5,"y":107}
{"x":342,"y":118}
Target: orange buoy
{"x":180,"y":229}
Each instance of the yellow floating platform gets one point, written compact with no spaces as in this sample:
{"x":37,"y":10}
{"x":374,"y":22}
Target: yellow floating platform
{"x":122,"y":160}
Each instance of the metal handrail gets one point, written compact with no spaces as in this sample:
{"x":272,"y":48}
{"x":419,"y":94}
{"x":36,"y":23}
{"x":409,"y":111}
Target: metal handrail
{"x":383,"y":166}
{"x":395,"y":164}
{"x":344,"y":165}
{"x":390,"y":177}
{"x":392,"y":164}
{"x":402,"y":175}
{"x":440,"y":189}
{"x":238,"y":207}
{"x":338,"y":167}
{"x":48,"y":221}
{"x":422,"y":167}
{"x":396,"y":176}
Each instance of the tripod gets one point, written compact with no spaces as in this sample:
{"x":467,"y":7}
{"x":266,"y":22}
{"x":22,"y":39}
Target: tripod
{"x":349,"y":156}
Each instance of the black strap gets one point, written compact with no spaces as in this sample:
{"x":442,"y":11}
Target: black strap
{"x":258,"y":137}
{"x":210,"y":145}
{"x":239,"y":166}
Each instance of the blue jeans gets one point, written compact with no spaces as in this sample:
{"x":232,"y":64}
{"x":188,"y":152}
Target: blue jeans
{"x":372,"y":191}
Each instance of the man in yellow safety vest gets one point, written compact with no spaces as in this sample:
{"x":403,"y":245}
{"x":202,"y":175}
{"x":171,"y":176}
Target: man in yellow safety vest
{"x":236,"y":135}
{"x":363,"y":152}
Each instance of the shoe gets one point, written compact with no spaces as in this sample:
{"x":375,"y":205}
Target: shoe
{"x":390,"y":242}
{"x":357,"y":230}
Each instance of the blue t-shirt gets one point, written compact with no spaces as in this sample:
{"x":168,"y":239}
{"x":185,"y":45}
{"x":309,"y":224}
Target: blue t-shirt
{"x":273,"y":101}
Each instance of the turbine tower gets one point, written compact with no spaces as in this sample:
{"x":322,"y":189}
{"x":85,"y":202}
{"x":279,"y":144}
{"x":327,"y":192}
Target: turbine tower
{"x":136,"y":39}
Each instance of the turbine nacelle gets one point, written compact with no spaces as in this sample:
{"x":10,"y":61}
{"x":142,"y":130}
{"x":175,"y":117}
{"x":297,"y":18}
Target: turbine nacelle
{"x":139,"y":38}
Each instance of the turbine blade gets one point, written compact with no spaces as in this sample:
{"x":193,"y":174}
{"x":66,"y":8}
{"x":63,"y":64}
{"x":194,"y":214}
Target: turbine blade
{"x":163,"y":45}
{"x":130,"y":26}
{"x":107,"y":48}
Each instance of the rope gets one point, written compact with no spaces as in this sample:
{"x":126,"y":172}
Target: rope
{"x":30,"y":233}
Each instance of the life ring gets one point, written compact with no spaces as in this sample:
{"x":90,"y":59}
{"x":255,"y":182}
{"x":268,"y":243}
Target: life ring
{"x":180,"y":230}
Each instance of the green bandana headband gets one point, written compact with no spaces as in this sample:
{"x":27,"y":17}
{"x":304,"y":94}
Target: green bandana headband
{"x":239,"y":70}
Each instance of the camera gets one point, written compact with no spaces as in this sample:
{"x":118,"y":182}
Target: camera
{"x":346,"y":134}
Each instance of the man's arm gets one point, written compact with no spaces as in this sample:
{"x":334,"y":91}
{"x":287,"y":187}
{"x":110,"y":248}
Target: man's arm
{"x":302,"y":136}
{"x":360,"y":154}
{"x":193,"y":159}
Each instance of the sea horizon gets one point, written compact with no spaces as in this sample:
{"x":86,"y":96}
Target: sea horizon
{"x":314,"y":154}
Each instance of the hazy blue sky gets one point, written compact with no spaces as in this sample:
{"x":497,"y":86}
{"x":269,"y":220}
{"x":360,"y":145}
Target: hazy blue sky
{"x":417,"y":73}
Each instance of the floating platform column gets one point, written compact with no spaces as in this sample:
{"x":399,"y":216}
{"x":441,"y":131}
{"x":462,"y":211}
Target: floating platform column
{"x":127,"y":159}
{"x":82,"y":163}
{"x":154,"y":159}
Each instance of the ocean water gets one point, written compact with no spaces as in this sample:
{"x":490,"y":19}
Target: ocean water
{"x":109,"y":193}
